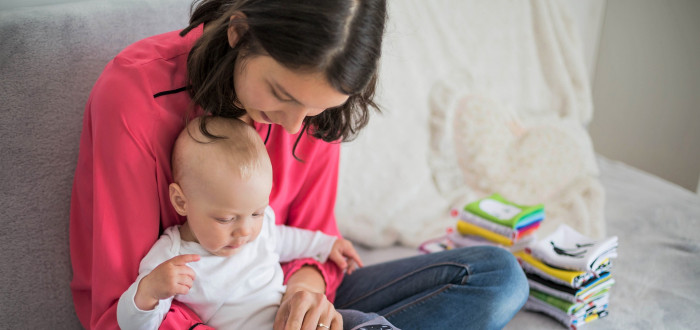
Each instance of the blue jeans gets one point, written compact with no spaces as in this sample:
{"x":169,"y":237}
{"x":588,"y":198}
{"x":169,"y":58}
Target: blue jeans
{"x":356,"y":320}
{"x":468,"y":288}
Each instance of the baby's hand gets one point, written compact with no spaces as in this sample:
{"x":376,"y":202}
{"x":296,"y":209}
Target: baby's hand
{"x":168,"y":279}
{"x":345,"y":256}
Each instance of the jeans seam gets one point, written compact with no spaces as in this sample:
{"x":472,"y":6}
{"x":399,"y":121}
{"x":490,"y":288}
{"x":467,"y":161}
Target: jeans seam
{"x":408,"y":275}
{"x":418,"y":302}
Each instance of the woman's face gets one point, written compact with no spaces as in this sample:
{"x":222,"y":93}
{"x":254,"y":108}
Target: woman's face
{"x":273,"y":94}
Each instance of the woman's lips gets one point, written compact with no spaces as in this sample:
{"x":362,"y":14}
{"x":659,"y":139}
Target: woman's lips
{"x":266,"y":118}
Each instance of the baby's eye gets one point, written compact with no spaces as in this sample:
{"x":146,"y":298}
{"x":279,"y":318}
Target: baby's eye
{"x":257,"y":214}
{"x":224,"y":220}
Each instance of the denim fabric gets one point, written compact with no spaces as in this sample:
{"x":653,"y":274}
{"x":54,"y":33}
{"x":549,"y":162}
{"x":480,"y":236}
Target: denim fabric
{"x":356,"y":320}
{"x":469,"y":288}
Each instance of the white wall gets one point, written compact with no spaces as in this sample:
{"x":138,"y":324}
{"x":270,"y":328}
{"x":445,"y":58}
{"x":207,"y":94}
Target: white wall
{"x":646,"y":89}
{"x":588,"y":18}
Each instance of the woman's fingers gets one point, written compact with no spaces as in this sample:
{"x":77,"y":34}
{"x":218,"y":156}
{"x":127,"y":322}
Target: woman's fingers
{"x":331,"y":319}
{"x":337,"y":323}
{"x":312,"y":318}
{"x":281,"y":317}
{"x":300,"y":303}
{"x":307,"y":311}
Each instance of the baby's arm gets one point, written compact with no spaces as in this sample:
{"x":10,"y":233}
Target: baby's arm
{"x":295,"y":243}
{"x":165,"y":281}
{"x":145,"y":303}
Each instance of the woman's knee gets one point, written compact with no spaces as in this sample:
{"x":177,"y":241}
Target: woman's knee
{"x":499,"y":275}
{"x":504,"y":272}
{"x":496,"y":267}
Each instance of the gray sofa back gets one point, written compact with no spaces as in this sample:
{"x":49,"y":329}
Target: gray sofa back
{"x":50,"y":56}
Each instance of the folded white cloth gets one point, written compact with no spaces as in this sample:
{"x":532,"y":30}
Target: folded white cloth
{"x":568,"y":249}
{"x":578,"y":314}
{"x":536,"y":305}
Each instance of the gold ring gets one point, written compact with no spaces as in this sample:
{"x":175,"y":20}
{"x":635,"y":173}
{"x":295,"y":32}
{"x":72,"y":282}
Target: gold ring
{"x":321,"y":325}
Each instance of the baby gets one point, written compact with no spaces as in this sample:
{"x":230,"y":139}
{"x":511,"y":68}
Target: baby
{"x":223,"y":262}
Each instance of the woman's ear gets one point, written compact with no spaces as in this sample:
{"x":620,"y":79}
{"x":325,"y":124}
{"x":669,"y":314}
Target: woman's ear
{"x":236,"y":29}
{"x":178,"y":199}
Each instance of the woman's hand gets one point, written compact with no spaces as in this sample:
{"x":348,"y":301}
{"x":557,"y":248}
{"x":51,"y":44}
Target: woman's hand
{"x":305,"y":306}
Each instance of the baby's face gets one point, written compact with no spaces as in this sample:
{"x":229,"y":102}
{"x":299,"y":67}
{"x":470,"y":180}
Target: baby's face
{"x":226,"y":212}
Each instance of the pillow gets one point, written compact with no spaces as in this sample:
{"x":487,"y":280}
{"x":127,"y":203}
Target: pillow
{"x":481,"y":146}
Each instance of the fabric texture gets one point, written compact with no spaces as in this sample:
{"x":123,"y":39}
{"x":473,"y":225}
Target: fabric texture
{"x":120,"y":192}
{"x":242,"y":291}
{"x":518,"y":60}
{"x":547,"y":160}
{"x":356,"y":320}
{"x":438,"y":291}
{"x":568,"y":249}
{"x":53,"y":54}
{"x":50,"y":59}
{"x":656,"y":223}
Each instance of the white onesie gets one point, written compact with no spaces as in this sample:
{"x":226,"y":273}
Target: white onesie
{"x":242,"y":291}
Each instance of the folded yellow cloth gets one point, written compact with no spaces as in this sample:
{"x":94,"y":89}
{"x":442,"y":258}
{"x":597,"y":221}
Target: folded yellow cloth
{"x":466,"y":228}
{"x":565,"y":275}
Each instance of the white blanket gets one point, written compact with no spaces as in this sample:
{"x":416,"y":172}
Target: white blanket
{"x":657,"y":274}
{"x":522,"y":65}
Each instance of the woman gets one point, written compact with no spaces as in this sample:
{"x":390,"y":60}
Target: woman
{"x":303,"y":74}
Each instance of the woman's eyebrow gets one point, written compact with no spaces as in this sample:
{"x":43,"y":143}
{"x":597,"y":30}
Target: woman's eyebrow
{"x":284,"y":92}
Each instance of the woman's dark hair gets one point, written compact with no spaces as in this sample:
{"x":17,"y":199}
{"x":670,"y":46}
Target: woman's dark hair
{"x":341,"y":38}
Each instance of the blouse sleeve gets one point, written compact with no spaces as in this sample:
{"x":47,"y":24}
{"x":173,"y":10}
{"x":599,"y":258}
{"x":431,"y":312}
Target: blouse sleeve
{"x":115,"y":207}
{"x":313,"y":208}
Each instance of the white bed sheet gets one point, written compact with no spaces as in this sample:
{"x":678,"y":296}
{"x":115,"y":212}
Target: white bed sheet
{"x":657,"y":272}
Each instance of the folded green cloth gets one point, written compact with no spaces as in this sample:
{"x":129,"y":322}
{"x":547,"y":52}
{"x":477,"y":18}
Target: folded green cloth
{"x":600,"y":298}
{"x":497,"y":209}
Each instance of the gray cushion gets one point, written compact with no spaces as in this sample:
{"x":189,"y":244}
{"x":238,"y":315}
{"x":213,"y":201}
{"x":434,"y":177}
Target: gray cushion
{"x":50,"y":58}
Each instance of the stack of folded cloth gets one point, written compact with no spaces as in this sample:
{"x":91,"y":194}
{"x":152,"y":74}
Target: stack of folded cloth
{"x":497,"y":220}
{"x":569,"y":276}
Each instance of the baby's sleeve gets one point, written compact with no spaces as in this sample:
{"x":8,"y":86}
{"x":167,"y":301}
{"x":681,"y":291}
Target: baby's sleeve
{"x":129,"y":316}
{"x":295,"y":243}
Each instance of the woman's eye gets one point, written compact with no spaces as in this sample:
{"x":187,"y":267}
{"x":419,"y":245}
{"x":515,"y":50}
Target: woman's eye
{"x":278,"y":97}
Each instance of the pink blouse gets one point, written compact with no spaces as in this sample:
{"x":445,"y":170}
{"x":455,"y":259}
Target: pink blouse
{"x":120,"y":200}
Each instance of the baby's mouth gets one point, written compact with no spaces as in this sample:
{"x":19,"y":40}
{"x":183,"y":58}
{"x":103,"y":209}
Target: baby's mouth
{"x":236,"y":245}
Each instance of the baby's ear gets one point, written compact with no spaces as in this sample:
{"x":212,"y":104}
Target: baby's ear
{"x":178,"y":199}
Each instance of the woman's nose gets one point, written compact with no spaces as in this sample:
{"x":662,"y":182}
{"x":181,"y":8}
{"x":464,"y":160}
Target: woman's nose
{"x":294,"y":118}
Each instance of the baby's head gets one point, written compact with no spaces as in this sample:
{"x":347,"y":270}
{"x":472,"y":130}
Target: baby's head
{"x":222,"y":185}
